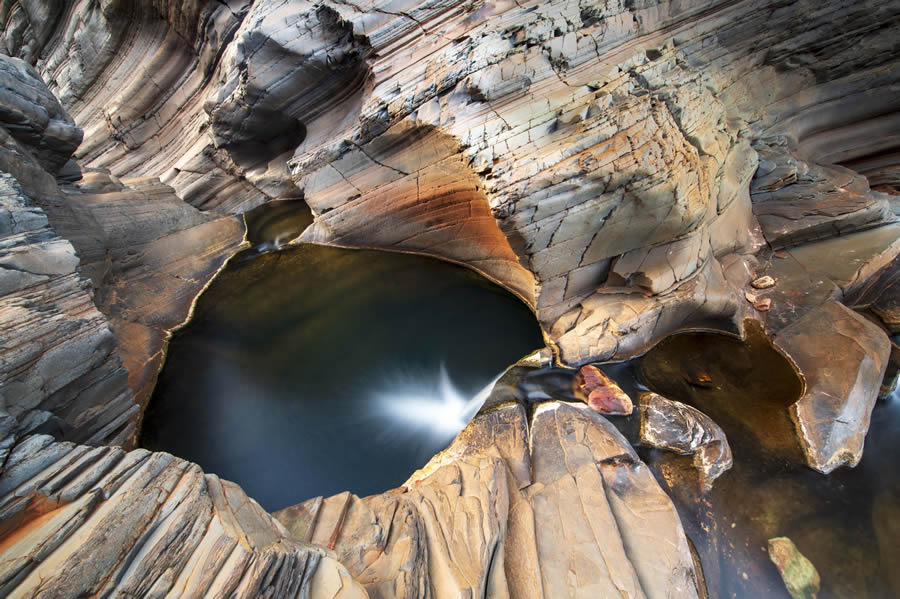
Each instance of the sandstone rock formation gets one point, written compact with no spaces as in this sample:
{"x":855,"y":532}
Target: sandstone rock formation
{"x":625,"y":168}
{"x":146,"y":253}
{"x":80,"y":521}
{"x":593,"y":158}
{"x":59,"y":372}
{"x":843,"y":358}
{"x":600,"y":392}
{"x":672,"y":425}
{"x":560,"y":508}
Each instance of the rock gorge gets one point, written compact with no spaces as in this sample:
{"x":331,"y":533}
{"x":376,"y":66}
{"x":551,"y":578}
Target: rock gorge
{"x":627,"y":168}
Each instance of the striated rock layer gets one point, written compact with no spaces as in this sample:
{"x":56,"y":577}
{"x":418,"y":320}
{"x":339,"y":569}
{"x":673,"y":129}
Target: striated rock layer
{"x":130,"y":248}
{"x":558,"y":507}
{"x":80,"y":521}
{"x":59,"y":372}
{"x":625,"y":168}
{"x":595,"y":158}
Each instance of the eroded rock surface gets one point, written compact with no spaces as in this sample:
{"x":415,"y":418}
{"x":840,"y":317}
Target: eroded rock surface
{"x":843,"y":358}
{"x":672,"y":425}
{"x":79,"y":521}
{"x":147,"y":253}
{"x":563,"y":508}
{"x":616,"y":165}
{"x":59,"y":372}
{"x":595,"y":159}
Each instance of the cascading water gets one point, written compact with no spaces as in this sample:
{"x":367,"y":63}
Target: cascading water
{"x":315,"y":370}
{"x":432,"y":405}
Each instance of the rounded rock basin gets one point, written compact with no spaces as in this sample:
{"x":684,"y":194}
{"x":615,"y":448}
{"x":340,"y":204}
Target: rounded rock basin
{"x":316,"y":370}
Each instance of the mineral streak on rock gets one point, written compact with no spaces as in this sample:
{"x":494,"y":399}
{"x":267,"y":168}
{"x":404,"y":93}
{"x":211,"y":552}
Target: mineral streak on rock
{"x":82,"y":521}
{"x":562,"y":508}
{"x":843,"y":358}
{"x":600,"y":392}
{"x":672,"y":425}
{"x":799,"y":575}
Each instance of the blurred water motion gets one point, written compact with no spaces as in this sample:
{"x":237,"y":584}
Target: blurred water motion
{"x":316,"y":370}
{"x":428,"y":405}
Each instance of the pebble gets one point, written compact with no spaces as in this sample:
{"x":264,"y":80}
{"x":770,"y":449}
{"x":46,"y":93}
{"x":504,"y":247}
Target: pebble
{"x":763,"y":282}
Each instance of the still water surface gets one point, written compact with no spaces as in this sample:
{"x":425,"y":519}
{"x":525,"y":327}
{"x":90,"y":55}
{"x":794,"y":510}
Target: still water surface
{"x":847,"y":523}
{"x":315,"y":370}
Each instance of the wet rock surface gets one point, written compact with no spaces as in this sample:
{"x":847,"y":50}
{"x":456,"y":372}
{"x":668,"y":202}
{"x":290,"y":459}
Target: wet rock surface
{"x":800,"y":576}
{"x":843,"y":358}
{"x":600,"y":392}
{"x":667,"y":424}
{"x":770,"y":490}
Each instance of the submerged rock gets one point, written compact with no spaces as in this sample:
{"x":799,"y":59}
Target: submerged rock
{"x":843,"y":358}
{"x":667,"y":424}
{"x":601,"y":393}
{"x":763,"y":305}
{"x":799,"y":575}
{"x":891,"y":373}
{"x":763,"y":282}
{"x":696,"y":375}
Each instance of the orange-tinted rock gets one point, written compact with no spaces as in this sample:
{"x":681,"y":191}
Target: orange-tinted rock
{"x":696,"y":376}
{"x":601,"y":393}
{"x":763,"y":305}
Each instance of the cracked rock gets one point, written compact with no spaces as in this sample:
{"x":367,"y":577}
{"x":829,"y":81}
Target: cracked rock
{"x":672,"y":425}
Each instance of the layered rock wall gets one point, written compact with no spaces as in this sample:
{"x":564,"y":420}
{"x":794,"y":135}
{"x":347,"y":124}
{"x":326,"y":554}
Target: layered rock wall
{"x":592,"y":157}
{"x":59,"y":371}
{"x":560,"y":506}
{"x":80,"y":521}
{"x":130,"y":248}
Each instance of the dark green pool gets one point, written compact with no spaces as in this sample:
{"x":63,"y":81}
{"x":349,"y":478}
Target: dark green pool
{"x":316,"y":370}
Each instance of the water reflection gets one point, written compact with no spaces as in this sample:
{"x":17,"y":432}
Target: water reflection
{"x":843,"y":522}
{"x":847,"y":523}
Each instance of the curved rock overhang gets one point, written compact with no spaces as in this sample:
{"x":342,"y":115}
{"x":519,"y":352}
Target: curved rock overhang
{"x":601,"y":162}
{"x":613,"y":146}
